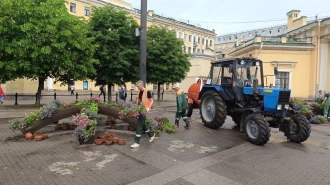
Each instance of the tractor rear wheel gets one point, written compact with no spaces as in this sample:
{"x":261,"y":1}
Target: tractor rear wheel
{"x":190,"y":110}
{"x":213,"y":110}
{"x":298,"y":129}
{"x":257,"y":129}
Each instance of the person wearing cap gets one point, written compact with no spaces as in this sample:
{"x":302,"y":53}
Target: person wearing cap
{"x":145,"y":97}
{"x":182,"y":105}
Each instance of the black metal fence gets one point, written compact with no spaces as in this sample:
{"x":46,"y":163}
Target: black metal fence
{"x":16,"y":96}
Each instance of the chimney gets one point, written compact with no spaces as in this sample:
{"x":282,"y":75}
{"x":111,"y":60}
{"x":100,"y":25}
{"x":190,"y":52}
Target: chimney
{"x":293,"y":15}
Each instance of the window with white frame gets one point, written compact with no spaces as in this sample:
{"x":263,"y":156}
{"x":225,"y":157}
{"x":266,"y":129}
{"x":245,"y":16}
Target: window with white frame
{"x":282,"y":79}
{"x":87,"y":11}
{"x":73,"y":7}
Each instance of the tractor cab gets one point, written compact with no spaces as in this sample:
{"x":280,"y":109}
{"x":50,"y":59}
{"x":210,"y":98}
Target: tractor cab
{"x":233,"y":75}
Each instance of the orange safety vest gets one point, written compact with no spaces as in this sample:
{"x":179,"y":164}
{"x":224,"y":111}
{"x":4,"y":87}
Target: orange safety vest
{"x":145,"y":101}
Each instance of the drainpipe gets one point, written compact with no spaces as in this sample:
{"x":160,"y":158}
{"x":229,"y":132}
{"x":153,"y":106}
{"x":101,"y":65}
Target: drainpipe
{"x":318,"y":56}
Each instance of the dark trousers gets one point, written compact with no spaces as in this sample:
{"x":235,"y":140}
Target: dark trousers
{"x":140,"y":128}
{"x":182,"y":114}
{"x":102,"y":92}
{"x":72,"y":92}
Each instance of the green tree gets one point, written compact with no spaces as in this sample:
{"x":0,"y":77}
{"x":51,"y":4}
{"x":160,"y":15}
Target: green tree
{"x":166,"y":61}
{"x":40,"y":39}
{"x":114,"y":30}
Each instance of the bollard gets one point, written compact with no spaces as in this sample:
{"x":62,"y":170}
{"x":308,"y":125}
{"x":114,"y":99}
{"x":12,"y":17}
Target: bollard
{"x":104,"y":97}
{"x":163,"y":95}
{"x":55,"y":96}
{"x":16,"y":96}
{"x":91,"y":94}
{"x":116,"y":97}
{"x":76,"y":96}
{"x":36,"y":97}
{"x":131,"y":96}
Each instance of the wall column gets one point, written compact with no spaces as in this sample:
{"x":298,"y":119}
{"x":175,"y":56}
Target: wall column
{"x":323,"y":65}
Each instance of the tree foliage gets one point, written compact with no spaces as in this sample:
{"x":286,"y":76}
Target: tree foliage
{"x":114,"y":31}
{"x":166,"y":61}
{"x":40,"y":39}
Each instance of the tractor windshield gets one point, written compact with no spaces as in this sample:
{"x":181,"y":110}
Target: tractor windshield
{"x":246,"y":71}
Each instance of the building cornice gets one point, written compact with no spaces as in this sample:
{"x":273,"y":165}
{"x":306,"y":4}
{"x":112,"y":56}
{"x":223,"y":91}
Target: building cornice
{"x":270,"y":45}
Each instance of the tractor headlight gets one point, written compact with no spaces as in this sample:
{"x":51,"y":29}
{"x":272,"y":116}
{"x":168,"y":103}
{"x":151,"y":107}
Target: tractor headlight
{"x":286,"y":106}
{"x":279,"y":107}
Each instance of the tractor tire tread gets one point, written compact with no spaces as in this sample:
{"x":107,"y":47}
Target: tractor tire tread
{"x":264,"y":130}
{"x":221,"y":110}
{"x":304,"y":128}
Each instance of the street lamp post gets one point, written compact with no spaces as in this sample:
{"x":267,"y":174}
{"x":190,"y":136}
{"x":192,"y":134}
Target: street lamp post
{"x":143,"y":42}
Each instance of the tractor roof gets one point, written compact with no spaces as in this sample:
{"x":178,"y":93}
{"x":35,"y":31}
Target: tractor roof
{"x":234,"y":58}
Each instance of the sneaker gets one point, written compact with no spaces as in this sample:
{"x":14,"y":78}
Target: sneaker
{"x":135,"y":145}
{"x":152,"y":138}
{"x":187,"y":127}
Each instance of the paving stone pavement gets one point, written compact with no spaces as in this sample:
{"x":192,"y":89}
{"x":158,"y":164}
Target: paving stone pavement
{"x":196,"y":156}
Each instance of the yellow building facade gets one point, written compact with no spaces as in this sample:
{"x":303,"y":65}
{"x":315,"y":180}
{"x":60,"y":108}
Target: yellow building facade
{"x":197,"y":41}
{"x":301,"y":55}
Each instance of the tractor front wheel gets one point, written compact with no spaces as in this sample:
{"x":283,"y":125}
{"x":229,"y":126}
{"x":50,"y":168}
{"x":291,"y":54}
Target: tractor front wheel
{"x":257,"y":129}
{"x":213,"y":110}
{"x":298,"y":129}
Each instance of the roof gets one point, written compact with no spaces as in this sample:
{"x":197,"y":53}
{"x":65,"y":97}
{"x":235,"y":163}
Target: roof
{"x":233,"y":58}
{"x":292,"y":11}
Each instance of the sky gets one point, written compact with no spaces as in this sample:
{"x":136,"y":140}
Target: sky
{"x":235,"y":15}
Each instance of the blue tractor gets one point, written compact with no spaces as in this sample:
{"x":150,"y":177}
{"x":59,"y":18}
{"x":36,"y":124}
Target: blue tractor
{"x":235,"y":87}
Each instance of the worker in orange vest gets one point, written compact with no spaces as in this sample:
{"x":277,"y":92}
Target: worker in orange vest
{"x":144,"y":96}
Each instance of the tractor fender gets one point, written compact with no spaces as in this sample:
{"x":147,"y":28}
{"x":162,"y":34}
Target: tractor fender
{"x":244,"y":115}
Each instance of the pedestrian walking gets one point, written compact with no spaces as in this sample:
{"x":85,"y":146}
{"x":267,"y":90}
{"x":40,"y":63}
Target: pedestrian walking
{"x":122,"y":93}
{"x":181,"y":106}
{"x":102,"y":90}
{"x":326,"y":108}
{"x":72,"y":89}
{"x":2,"y":95}
{"x":144,"y":96}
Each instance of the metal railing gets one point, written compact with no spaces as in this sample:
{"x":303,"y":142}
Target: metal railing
{"x":76,"y":95}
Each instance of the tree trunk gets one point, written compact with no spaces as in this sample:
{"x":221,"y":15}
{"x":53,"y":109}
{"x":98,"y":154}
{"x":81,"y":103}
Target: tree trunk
{"x":40,"y":84}
{"x":109,"y":93}
{"x":158,"y":91}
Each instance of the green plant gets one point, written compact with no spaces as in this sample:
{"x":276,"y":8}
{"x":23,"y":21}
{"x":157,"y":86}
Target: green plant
{"x":322,"y":119}
{"x":169,"y":128}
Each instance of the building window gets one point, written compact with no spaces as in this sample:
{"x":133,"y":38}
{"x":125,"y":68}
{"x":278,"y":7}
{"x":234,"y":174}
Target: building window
{"x":184,"y":49}
{"x":236,"y":37}
{"x":189,"y":50}
{"x":203,"y":41}
{"x":199,"y":40}
{"x":73,"y":7}
{"x":202,"y":50}
{"x":270,"y":31}
{"x":282,"y":80}
{"x":210,"y":42}
{"x":207,"y":43}
{"x":184,"y":36}
{"x":194,"y":50}
{"x":219,"y":39}
{"x":86,"y":11}
{"x":279,"y":30}
{"x":189,"y":38}
{"x":198,"y":50}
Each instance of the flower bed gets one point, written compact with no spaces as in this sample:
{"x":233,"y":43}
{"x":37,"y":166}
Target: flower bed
{"x":313,"y":112}
{"x":85,"y":114}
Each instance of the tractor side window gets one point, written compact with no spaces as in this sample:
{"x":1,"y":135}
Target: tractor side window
{"x":227,"y":76}
{"x":216,"y":74}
